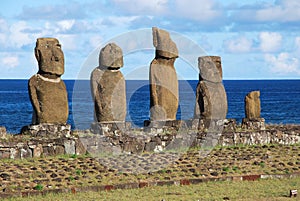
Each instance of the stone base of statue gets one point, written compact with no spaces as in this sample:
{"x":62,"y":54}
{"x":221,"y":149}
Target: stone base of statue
{"x":41,"y":140}
{"x":106,"y":128}
{"x":253,"y":124}
{"x":164,"y":126}
{"x":204,"y":125}
{"x":47,"y":130}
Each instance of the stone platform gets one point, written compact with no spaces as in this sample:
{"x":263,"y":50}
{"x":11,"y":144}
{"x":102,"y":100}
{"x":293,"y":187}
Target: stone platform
{"x":158,"y":136}
{"x":116,"y":138}
{"x":41,"y":140}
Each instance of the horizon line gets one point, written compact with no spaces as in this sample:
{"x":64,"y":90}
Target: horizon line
{"x":229,"y":79}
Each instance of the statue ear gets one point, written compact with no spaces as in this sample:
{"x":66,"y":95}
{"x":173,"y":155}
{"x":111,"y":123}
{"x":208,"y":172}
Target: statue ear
{"x":37,"y":54}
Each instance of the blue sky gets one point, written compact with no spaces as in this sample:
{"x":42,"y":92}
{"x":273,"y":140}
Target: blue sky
{"x":256,"y":39}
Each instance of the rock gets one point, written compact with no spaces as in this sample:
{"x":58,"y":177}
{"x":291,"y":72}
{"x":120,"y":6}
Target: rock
{"x":47,"y":130}
{"x":48,"y":94}
{"x":163,"y":78}
{"x":2,"y":132}
{"x":37,"y":150}
{"x":252,"y":105}
{"x":163,"y":44}
{"x":105,"y":128}
{"x":211,"y":98}
{"x":253,"y":124}
{"x":210,"y":68}
{"x":111,"y":56}
{"x":69,"y":147}
{"x":108,"y":86}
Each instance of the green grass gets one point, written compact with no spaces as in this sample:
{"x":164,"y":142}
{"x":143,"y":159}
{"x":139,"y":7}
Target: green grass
{"x":269,"y":189}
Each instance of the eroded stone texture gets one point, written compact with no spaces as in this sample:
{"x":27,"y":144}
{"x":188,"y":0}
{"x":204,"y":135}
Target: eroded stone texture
{"x":163,"y":78}
{"x":252,"y":105}
{"x":163,"y":43}
{"x":108,"y":85}
{"x":210,"y":68}
{"x":47,"y":90}
{"x":111,"y":56}
{"x":211,"y":98}
{"x":47,"y":130}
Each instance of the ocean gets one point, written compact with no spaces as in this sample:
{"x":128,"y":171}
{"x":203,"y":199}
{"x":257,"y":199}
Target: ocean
{"x":279,"y":101}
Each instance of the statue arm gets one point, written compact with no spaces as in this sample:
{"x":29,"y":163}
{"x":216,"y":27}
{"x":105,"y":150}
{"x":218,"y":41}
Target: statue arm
{"x":95,"y":76}
{"x":34,"y":98}
{"x":153,"y":87}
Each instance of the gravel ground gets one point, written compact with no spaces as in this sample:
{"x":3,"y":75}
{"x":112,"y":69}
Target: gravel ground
{"x":76,"y":171}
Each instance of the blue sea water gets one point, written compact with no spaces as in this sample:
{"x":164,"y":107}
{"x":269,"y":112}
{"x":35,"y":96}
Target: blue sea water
{"x":279,"y":101}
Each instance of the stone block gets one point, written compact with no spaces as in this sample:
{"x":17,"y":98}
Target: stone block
{"x":178,"y":124}
{"x":47,"y":130}
{"x":253,"y":124}
{"x":230,"y":125}
{"x":14,"y":153}
{"x":80,"y":148}
{"x":37,"y":150}
{"x":105,"y":128}
{"x":25,"y":152}
{"x":69,"y":147}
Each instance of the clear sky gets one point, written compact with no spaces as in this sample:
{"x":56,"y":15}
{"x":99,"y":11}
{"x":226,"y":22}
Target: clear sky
{"x":256,"y":39}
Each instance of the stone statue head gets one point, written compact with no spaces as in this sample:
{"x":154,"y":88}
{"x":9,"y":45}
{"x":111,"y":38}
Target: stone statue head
{"x":210,"y":68}
{"x":50,"y":56}
{"x":111,"y":56}
{"x":163,"y":43}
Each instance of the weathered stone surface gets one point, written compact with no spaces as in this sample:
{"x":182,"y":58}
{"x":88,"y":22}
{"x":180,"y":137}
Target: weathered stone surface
{"x":163,"y":78}
{"x":163,"y":44}
{"x":252,"y":105}
{"x":211,"y":101}
{"x":104,"y":128}
{"x":69,"y":147}
{"x":48,"y":94}
{"x":47,"y":130}
{"x":18,"y":147}
{"x":37,"y":150}
{"x":108,"y":88}
{"x":253,"y":124}
{"x":211,"y":98}
{"x":210,"y":68}
{"x":163,"y":89}
{"x":49,"y":56}
{"x":49,"y":100}
{"x":111,"y":56}
{"x":2,"y":132}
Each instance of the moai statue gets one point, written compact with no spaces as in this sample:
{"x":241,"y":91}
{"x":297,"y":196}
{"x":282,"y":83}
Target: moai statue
{"x":211,"y":99}
{"x":253,"y":120}
{"x":252,"y":105}
{"x":47,"y":91}
{"x":108,"y":86}
{"x":163,"y":78}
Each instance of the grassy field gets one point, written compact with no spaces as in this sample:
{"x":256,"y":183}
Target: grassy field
{"x":65,"y":172}
{"x":268,"y":189}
